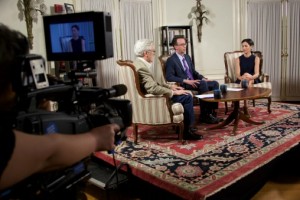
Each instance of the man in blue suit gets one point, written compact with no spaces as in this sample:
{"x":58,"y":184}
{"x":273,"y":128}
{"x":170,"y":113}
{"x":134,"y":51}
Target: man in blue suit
{"x":180,"y":69}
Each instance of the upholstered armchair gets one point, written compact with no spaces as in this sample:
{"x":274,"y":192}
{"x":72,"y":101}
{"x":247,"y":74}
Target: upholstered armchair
{"x":149,"y":109}
{"x":163,"y":59}
{"x":230,"y":76}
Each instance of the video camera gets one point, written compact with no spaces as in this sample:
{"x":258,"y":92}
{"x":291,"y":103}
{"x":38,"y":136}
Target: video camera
{"x":76,"y":109}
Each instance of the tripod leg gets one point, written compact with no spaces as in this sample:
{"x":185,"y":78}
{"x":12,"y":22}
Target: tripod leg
{"x":115,"y":174}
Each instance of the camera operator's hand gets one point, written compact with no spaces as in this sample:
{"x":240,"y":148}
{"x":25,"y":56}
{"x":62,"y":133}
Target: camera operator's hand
{"x":40,"y":153}
{"x":105,"y":136}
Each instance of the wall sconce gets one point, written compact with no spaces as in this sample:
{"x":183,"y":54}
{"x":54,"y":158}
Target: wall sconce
{"x":30,"y":9}
{"x":198,"y":13}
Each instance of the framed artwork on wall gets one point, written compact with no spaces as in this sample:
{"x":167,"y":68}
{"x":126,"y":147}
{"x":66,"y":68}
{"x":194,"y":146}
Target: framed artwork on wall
{"x":69,"y":8}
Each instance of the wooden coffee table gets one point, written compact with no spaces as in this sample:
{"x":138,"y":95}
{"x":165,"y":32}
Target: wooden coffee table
{"x":237,"y":96}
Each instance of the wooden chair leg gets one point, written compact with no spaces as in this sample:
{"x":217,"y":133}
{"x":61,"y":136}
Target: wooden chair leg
{"x":176,"y":128}
{"x":135,"y":133}
{"x":269,"y":104}
{"x":180,"y":135}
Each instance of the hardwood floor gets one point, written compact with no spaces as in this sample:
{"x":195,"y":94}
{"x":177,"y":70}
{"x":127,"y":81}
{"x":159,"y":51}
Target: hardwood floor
{"x":277,"y":190}
{"x":285,"y":185}
{"x":284,"y":188}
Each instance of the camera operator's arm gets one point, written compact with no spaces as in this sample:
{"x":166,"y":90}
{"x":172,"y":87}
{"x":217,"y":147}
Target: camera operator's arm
{"x":36,"y":153}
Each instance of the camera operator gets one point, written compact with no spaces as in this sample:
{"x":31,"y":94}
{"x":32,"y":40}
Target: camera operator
{"x":22,"y":154}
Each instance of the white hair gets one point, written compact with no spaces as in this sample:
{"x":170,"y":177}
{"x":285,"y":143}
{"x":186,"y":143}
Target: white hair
{"x":141,"y":46}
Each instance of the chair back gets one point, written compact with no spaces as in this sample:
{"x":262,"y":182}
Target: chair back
{"x":147,"y":109}
{"x":163,"y":59}
{"x":229,"y":61}
{"x":64,"y":43}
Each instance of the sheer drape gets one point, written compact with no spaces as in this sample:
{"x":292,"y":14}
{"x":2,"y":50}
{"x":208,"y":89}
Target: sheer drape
{"x":293,"y":70}
{"x":239,"y":22}
{"x":264,"y":27}
{"x":141,"y":19}
{"x":106,"y":69}
{"x":158,"y":7}
{"x":132,"y":20}
{"x":136,"y":23}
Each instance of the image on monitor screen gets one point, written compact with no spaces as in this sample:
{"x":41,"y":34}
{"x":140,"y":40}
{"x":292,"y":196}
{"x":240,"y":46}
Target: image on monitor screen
{"x":78,"y":36}
{"x":72,"y":37}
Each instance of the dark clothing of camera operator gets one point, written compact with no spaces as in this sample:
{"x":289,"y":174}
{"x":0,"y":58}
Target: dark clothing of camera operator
{"x":23,"y":154}
{"x":7,"y":144}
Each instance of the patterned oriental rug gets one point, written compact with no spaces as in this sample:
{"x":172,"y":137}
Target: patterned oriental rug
{"x":199,"y":169}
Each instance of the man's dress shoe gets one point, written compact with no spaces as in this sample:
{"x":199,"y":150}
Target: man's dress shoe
{"x":193,"y":129}
{"x":214,"y":114}
{"x":209,"y":119}
{"x":191,"y":135}
{"x":219,"y":119}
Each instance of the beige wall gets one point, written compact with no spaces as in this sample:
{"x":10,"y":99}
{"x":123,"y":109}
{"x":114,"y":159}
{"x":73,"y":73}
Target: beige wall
{"x":9,"y":16}
{"x":217,"y":36}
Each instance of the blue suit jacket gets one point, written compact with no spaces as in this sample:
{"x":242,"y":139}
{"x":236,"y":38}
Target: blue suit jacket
{"x":175,"y":71}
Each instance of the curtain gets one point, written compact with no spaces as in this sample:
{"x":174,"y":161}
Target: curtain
{"x":107,"y":71}
{"x":264,"y":28}
{"x":136,"y":23}
{"x":293,"y":70}
{"x":131,"y":20}
{"x":239,"y":22}
{"x":142,"y":19}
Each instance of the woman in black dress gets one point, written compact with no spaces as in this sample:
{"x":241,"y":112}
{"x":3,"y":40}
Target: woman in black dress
{"x":247,"y":65}
{"x":77,"y":43}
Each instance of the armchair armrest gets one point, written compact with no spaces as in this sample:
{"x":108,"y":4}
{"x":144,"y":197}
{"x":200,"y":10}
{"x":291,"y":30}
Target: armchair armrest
{"x":152,"y":95}
{"x":172,"y":83}
{"x":227,"y":79}
{"x":265,"y":78}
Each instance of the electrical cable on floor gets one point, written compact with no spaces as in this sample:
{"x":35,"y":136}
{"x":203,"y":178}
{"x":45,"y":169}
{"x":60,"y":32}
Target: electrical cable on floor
{"x":116,"y":168}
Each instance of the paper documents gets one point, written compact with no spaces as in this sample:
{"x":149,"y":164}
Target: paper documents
{"x":202,"y":96}
{"x":234,"y":89}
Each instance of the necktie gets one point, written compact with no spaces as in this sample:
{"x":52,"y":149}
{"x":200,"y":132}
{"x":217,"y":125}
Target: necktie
{"x":187,"y":69}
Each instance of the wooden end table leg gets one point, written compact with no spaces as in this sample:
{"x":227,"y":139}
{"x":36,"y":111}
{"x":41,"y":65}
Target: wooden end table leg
{"x":236,"y":115}
{"x":226,"y":107}
{"x":232,"y":116}
{"x":236,"y":122}
{"x":246,"y":111}
{"x":245,"y":118}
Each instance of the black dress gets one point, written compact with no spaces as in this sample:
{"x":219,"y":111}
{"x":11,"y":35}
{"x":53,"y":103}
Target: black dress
{"x":77,"y":45}
{"x":247,"y":65}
